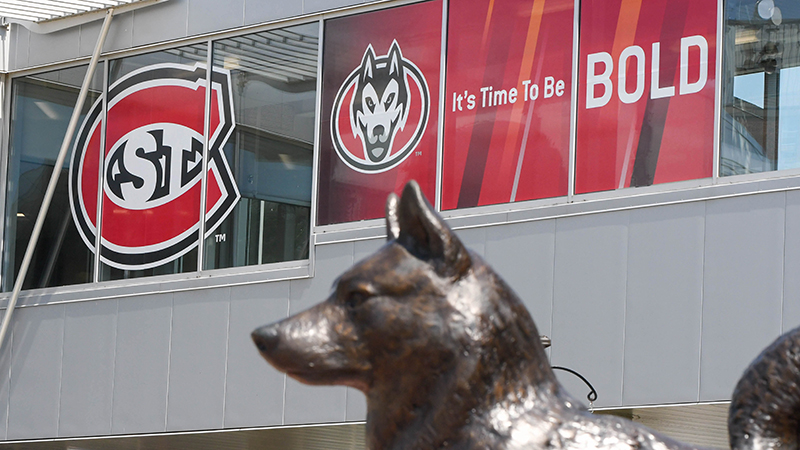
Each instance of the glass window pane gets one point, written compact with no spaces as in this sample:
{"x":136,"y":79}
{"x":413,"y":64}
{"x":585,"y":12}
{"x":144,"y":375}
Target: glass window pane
{"x":646,"y":96}
{"x":761,"y":94}
{"x":41,"y":109}
{"x":152,"y":168}
{"x":274,"y":79}
{"x":509,"y":144}
{"x":379,"y":121}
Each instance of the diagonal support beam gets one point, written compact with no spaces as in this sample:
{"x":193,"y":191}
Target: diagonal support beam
{"x":51,"y":187}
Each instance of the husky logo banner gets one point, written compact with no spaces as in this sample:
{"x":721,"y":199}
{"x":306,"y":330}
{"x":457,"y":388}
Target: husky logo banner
{"x":377,"y":98}
{"x":380,"y":97}
{"x":152,"y":165}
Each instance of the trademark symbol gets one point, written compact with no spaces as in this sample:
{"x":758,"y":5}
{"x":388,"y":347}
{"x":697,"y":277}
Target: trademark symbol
{"x":219,"y":237}
{"x":418,"y":153}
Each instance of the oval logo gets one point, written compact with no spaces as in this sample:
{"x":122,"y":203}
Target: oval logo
{"x":152,"y":165}
{"x":380,"y":112}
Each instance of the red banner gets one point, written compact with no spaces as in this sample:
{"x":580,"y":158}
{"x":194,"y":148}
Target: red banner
{"x":380,"y":103}
{"x":507,"y":110}
{"x":153,"y":164}
{"x":646,"y":94}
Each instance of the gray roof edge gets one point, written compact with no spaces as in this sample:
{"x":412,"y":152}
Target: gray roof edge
{"x":73,"y":20}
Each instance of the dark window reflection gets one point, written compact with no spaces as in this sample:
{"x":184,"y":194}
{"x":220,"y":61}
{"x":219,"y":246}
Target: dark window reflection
{"x":274,"y":76}
{"x":41,"y":109}
{"x":761,"y":90}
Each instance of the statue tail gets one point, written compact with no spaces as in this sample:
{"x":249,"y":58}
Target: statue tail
{"x":765,"y":409}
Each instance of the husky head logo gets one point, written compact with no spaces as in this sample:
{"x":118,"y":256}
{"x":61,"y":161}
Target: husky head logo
{"x":384,"y":94}
{"x":380,"y":105}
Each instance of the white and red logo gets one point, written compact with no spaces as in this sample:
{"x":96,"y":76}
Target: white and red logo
{"x":153,"y":164}
{"x":380,"y":112}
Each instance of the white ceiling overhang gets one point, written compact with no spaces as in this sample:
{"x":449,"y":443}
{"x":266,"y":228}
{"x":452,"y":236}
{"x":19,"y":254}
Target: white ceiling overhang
{"x":46,"y":16}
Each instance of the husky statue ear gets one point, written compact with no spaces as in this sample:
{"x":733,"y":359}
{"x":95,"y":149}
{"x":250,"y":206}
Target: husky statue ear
{"x":414,"y":224}
{"x":367,"y":63}
{"x":392,"y":221}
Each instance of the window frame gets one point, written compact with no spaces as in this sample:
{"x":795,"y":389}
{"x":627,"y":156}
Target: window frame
{"x":302,"y":268}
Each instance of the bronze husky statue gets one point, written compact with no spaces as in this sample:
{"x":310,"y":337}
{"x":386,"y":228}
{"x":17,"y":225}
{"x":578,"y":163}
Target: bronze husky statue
{"x":449,"y":357}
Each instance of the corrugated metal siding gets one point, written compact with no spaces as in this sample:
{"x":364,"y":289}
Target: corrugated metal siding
{"x":332,"y":437}
{"x":702,"y":425}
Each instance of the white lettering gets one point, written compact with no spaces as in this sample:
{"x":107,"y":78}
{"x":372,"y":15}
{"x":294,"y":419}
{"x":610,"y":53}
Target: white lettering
{"x":500,"y":97}
{"x":593,"y":79}
{"x":560,"y":88}
{"x":484,"y":90}
{"x":525,"y":88}
{"x":693,"y":41}
{"x":656,"y":91}
{"x":624,"y":95}
{"x":549,"y":87}
{"x":688,"y":44}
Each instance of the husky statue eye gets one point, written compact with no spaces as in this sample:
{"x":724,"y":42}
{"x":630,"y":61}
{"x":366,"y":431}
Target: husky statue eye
{"x":370,"y":104}
{"x":355,"y":299}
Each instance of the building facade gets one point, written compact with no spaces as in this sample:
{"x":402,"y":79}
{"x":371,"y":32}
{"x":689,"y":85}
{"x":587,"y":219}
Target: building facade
{"x":632,"y":169}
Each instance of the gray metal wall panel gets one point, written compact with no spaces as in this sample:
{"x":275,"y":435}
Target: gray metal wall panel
{"x":356,"y":405}
{"x":213,"y":15}
{"x":90,"y":330}
{"x":4,"y":49}
{"x":363,"y":249}
{"x":197,"y":359}
{"x":589,"y":301}
{"x":254,"y":389}
{"x":144,"y":326}
{"x":664,"y":304}
{"x":256,"y":11}
{"x":35,"y":372}
{"x":310,"y":6}
{"x":791,"y":281}
{"x":5,"y":381}
{"x":743,"y":283}
{"x":314,"y":404}
{"x":331,"y":260}
{"x":18,"y":56}
{"x":120,"y":34}
{"x":474,"y":239}
{"x":160,"y":22}
{"x":523,"y":256}
{"x":55,"y":46}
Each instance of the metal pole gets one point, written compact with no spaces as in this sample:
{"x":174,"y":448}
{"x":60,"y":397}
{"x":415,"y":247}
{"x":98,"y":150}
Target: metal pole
{"x":48,"y":196}
{"x":201,"y":225}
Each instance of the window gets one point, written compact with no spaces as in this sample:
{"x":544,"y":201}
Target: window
{"x":646,"y":96}
{"x":379,"y":109}
{"x":135,"y":173}
{"x":41,"y":109}
{"x":761,"y":90}
{"x":274,"y":80}
{"x":156,"y":112}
